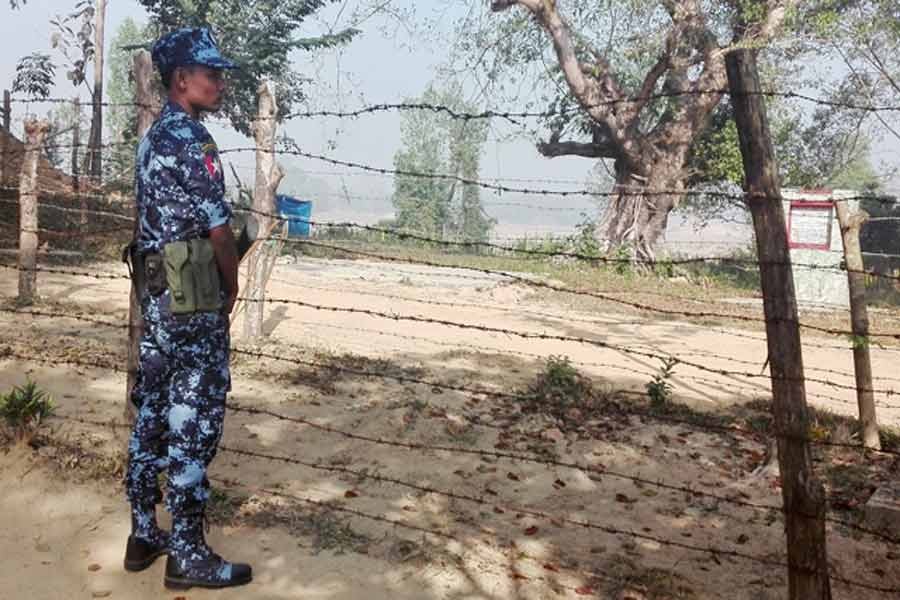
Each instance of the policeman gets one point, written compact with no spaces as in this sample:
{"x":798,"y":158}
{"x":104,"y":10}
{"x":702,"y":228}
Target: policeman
{"x":187,"y":252}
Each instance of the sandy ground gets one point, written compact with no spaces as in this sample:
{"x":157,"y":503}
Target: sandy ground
{"x":64,"y":515}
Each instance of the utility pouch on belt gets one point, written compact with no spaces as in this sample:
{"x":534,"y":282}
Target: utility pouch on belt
{"x":154,"y":274}
{"x":192,"y":276}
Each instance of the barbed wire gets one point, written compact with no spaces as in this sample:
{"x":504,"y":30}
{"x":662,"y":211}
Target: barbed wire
{"x":603,"y":296}
{"x":566,"y":254}
{"x":498,"y":507}
{"x":540,"y":284}
{"x":575,"y":319}
{"x":60,"y":271}
{"x":520,"y":554}
{"x":489,"y":114}
{"x":413,"y":445}
{"x":598,"y":469}
{"x":580,"y":292}
{"x":472,"y":392}
{"x":568,"y":338}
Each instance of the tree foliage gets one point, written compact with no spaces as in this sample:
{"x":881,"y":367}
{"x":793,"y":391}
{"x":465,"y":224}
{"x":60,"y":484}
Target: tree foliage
{"x":121,"y":117}
{"x":73,"y":38}
{"x":260,"y":36}
{"x":435,"y":143}
{"x":35,"y":75}
{"x":635,"y":72}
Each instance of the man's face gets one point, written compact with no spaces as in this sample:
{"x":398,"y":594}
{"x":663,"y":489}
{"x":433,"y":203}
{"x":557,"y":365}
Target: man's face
{"x":202,"y":87}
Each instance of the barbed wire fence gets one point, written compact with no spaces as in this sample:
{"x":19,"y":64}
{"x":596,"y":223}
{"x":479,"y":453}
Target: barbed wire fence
{"x":114,"y":221}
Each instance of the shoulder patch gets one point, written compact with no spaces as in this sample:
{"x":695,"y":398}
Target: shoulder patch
{"x":211,"y":158}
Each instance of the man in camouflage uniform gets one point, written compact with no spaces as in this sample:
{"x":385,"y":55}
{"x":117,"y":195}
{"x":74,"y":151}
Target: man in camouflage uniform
{"x":183,"y":375}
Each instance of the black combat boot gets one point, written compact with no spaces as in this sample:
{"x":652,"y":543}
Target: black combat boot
{"x":191,"y":562}
{"x":147,"y":541}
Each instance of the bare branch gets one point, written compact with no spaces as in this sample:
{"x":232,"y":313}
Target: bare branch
{"x":590,"y":84}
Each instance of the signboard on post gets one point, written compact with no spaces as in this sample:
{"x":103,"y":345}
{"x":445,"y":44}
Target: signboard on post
{"x":809,"y":224}
{"x":817,"y":250}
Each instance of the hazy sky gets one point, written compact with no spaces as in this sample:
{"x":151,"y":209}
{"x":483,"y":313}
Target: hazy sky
{"x":384,"y":64}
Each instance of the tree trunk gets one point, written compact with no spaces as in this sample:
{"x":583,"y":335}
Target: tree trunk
{"x":76,"y":143}
{"x":96,"y":136}
{"x":4,"y":143}
{"x":148,"y":109}
{"x":637,"y":217}
{"x":35,"y":132}
{"x":268,"y":176}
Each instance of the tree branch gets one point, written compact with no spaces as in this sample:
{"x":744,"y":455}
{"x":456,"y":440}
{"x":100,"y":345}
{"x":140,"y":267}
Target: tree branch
{"x":593,"y":85}
{"x":553,"y":149}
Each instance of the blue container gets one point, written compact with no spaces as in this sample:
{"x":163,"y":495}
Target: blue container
{"x":297,"y":212}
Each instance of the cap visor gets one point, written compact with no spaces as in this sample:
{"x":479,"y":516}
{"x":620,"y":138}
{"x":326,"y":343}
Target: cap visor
{"x":220,"y":63}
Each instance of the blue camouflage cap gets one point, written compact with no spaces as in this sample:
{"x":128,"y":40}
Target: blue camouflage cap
{"x":189,"y":46}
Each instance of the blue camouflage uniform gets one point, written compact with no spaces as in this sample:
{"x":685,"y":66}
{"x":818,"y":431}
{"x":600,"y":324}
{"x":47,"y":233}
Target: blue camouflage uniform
{"x":183,"y":374}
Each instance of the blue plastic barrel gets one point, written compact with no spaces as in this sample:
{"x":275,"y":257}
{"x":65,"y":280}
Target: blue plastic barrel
{"x":297,"y":212}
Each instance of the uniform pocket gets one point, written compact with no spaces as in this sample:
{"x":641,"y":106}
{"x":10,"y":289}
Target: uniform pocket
{"x":179,"y":278}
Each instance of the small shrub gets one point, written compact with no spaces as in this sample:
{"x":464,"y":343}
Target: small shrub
{"x":562,"y":392}
{"x":659,"y":388}
{"x":23,"y":410}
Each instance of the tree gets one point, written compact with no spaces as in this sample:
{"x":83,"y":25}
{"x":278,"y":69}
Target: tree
{"x":638,"y":83}
{"x":821,"y":149}
{"x":78,"y":36}
{"x":35,"y":75}
{"x":121,"y":117}
{"x":260,"y":36}
{"x":434,"y":143}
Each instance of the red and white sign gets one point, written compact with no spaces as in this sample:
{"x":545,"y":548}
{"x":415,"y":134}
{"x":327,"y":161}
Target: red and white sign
{"x":809,"y":224}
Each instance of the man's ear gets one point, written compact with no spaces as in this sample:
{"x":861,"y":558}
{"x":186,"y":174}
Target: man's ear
{"x":180,"y":79}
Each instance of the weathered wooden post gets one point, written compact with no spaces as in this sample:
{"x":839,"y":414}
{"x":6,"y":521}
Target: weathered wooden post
{"x":804,"y":498}
{"x":76,"y":142}
{"x":35,"y":132}
{"x":859,"y":320}
{"x":4,"y":143}
{"x":148,"y":108}
{"x":268,"y":175}
{"x":96,"y":135}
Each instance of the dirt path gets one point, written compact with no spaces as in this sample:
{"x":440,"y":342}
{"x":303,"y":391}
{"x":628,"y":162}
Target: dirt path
{"x":65,"y":512}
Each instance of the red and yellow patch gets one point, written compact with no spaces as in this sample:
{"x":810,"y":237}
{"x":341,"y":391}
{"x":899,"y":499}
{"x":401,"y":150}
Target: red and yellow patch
{"x":211,"y":158}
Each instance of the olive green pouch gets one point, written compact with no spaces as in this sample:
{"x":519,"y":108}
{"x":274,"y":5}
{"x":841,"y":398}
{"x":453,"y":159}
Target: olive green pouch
{"x":192,"y":276}
{"x":206,"y":275}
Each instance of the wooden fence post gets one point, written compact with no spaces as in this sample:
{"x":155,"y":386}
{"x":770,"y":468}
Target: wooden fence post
{"x":147,"y":110}
{"x":76,"y":142}
{"x":804,"y":498}
{"x":35,"y":132}
{"x":268,"y":175}
{"x":859,"y":320}
{"x":4,"y":144}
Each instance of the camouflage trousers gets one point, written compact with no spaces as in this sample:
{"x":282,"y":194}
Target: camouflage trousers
{"x":182,"y":381}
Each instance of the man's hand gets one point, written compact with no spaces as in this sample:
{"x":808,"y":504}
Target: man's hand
{"x":230,"y":301}
{"x":224,"y":246}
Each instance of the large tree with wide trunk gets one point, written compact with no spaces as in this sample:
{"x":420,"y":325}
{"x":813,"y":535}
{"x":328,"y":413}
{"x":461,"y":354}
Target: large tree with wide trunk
{"x":648,"y":144}
{"x":638,"y":82}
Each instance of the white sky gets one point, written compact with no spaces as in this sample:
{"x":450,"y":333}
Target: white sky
{"x":384,"y":64}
